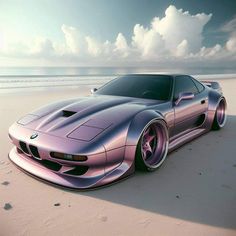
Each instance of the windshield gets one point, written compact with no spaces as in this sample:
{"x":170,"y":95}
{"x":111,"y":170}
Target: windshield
{"x":156,"y":87}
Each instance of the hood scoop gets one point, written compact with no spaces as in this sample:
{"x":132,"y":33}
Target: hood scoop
{"x":68,"y":113}
{"x":67,"y":118}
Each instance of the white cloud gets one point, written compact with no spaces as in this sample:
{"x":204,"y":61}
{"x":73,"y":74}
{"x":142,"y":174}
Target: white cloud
{"x":182,"y":49}
{"x":229,"y":26}
{"x":231,"y":43}
{"x":177,"y":34}
{"x":173,"y":38}
{"x":42,"y":47}
{"x":74,"y":40}
{"x":148,"y":42}
{"x":2,"y":41}
{"x":210,"y":52}
{"x":121,"y":46}
{"x":94,"y":47}
{"x":177,"y":26}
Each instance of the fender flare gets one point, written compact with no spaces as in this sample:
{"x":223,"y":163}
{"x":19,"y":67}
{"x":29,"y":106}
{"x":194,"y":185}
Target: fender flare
{"x":139,"y":123}
{"x":136,"y":127}
{"x":214,"y":99}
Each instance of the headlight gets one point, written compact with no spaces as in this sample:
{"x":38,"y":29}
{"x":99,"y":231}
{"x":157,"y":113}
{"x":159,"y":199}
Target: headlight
{"x":68,"y":157}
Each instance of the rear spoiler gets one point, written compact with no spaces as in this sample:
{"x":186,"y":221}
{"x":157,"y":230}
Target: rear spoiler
{"x":212,"y":84}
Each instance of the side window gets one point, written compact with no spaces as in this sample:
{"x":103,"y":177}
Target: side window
{"x":200,"y":87}
{"x":184,"y":84}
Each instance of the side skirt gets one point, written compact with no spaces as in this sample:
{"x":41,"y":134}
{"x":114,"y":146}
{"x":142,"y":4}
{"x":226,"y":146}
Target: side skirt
{"x":184,"y":138}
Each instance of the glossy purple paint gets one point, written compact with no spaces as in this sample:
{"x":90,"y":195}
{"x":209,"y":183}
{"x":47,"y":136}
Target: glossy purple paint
{"x":107,"y":130}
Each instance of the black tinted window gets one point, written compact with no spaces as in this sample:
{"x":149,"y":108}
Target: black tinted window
{"x":184,"y":84}
{"x":200,"y":87}
{"x":141,"y":86}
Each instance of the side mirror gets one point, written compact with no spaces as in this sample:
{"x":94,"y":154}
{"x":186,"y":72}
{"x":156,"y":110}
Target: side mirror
{"x":184,"y":96}
{"x":93,"y":90}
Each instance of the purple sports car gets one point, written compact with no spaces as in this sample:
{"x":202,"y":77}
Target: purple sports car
{"x":129,"y":123}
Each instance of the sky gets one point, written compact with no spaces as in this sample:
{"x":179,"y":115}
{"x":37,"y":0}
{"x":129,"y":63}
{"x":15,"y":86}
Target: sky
{"x":117,"y":33}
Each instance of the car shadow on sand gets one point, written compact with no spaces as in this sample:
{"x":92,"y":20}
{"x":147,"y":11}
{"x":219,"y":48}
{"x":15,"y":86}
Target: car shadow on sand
{"x":196,"y":182}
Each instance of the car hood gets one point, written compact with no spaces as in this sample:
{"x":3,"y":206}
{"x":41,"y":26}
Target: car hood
{"x":93,"y":114}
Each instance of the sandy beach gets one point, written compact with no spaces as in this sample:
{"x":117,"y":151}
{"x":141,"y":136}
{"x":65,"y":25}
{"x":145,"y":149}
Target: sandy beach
{"x":193,"y":193}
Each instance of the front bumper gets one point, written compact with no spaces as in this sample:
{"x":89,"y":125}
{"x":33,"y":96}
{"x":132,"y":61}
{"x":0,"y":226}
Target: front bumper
{"x":79,"y":183}
{"x":94,"y":172}
{"x":36,"y":169}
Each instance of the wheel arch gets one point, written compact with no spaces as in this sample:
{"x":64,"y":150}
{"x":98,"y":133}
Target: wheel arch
{"x":139,"y":123}
{"x":214,"y":100}
{"x":136,"y":127}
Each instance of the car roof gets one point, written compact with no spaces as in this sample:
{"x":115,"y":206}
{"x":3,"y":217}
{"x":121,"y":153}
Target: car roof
{"x":161,"y":74}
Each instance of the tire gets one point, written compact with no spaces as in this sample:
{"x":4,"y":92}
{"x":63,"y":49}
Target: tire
{"x":220,"y":115}
{"x":152,"y":147}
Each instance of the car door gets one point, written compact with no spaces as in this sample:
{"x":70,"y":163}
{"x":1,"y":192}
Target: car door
{"x":188,"y":113}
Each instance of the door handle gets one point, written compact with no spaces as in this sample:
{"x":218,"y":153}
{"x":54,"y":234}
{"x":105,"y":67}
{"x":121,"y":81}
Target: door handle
{"x":203,"y":101}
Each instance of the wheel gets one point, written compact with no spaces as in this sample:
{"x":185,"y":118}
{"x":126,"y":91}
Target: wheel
{"x":220,"y":115}
{"x":152,"y":147}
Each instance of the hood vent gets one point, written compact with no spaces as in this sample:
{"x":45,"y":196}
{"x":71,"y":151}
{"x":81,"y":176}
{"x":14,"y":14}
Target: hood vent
{"x":68,"y":113}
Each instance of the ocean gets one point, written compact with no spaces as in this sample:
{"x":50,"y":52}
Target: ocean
{"x":27,"y":78}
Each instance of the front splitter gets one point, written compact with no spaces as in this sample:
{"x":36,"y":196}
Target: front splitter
{"x":73,"y":183}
